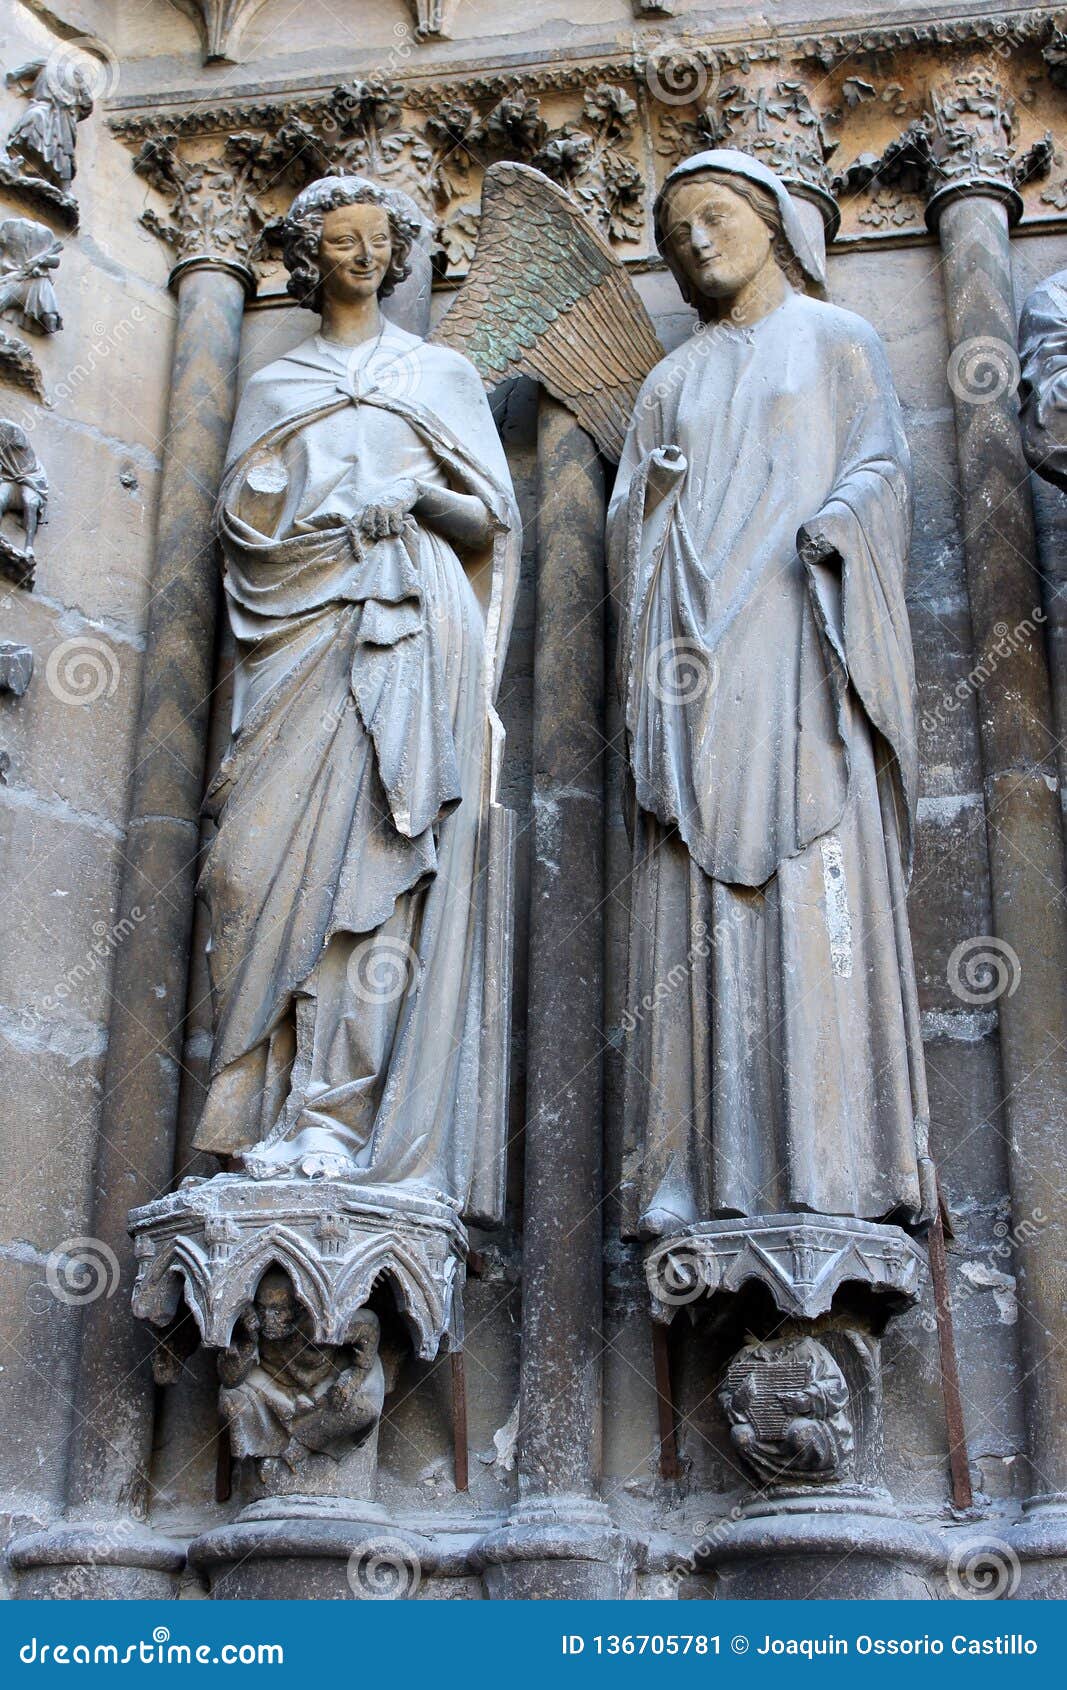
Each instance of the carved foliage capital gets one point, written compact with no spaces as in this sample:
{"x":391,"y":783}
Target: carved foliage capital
{"x":213,"y":214}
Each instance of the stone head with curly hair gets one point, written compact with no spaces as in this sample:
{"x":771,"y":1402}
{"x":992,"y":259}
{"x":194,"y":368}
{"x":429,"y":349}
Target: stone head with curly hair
{"x":303,"y":229}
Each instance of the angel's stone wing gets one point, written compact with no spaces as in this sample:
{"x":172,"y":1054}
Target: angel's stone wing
{"x":546,"y":297}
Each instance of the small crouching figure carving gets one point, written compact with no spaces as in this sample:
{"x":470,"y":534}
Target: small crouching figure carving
{"x":285,"y":1397}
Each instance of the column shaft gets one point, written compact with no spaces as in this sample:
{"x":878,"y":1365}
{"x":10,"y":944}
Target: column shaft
{"x":1022,"y":809}
{"x":112,"y":1439}
{"x":559,"y":1438}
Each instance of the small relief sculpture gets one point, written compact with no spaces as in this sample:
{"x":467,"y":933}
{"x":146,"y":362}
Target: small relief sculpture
{"x":29,"y":253}
{"x":38,"y":156}
{"x":758,"y":539}
{"x":284,"y":1398}
{"x":787,"y":1404}
{"x":1043,"y":379}
{"x":23,"y":498}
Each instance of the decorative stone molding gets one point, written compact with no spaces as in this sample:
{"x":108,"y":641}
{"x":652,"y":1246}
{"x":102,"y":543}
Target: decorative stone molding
{"x":213,"y":1240}
{"x":851,"y":119}
{"x":214,"y":217}
{"x":222,"y":23}
{"x":803,"y":1261}
{"x":23,"y":499}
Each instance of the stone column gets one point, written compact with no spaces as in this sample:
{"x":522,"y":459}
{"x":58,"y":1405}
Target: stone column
{"x":971,"y":210}
{"x":559,"y":1541}
{"x":111,"y":1441}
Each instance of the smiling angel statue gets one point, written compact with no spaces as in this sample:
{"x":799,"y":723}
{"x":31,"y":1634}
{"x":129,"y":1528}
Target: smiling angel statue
{"x":371,"y":544}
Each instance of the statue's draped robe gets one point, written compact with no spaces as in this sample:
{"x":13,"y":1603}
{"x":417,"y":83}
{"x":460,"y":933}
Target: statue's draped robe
{"x":1043,"y":384}
{"x":773,"y":1056}
{"x":345,"y":884}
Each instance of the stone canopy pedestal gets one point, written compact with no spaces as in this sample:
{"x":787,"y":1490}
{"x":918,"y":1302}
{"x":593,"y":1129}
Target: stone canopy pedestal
{"x":803,"y":1400}
{"x":278,"y":1277}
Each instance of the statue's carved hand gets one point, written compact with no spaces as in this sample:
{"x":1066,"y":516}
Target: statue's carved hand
{"x":391,"y":515}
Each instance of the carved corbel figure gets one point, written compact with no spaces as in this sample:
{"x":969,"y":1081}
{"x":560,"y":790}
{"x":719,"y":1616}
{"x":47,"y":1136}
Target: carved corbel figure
{"x":29,"y":253}
{"x":286,"y":1399}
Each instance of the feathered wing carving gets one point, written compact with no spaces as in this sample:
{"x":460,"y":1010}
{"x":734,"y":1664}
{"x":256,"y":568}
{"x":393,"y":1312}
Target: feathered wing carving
{"x":546,"y":297}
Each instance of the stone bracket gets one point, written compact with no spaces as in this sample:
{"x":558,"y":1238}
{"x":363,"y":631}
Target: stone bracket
{"x":802,"y":1261}
{"x":214,"y":1239}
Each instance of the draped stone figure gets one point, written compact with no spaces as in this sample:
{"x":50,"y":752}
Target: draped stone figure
{"x":371,"y":543}
{"x":758,"y":538}
{"x":1043,"y":379}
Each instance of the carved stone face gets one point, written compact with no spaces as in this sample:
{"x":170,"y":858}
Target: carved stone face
{"x":276,"y":1306}
{"x":717,"y":240}
{"x":355,"y":250}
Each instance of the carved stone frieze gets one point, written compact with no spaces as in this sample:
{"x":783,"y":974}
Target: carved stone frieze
{"x":23,"y":503}
{"x":787,"y":1403}
{"x":213,"y":1240}
{"x":802,"y":1261}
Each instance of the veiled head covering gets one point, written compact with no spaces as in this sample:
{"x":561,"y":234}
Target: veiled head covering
{"x":727,"y":162}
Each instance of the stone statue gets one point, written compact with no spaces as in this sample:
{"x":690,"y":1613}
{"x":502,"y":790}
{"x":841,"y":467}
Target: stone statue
{"x":1043,"y":381}
{"x":44,"y":138}
{"x":285,"y":1398}
{"x":29,"y":252}
{"x":23,"y":494}
{"x":758,"y":538}
{"x":371,"y":543}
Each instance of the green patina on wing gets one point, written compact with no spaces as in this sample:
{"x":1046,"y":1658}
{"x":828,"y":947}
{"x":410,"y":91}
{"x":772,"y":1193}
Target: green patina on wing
{"x":546,"y":297}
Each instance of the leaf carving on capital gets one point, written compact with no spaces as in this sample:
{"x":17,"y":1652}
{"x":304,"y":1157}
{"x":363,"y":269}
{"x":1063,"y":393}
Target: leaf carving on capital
{"x":773,"y":120}
{"x":213,"y":212}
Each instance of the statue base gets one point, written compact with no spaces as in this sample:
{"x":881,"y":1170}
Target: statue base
{"x":216,"y":1238}
{"x":801,"y":1260}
